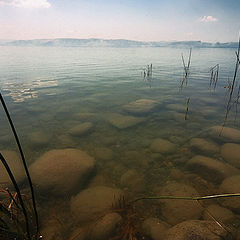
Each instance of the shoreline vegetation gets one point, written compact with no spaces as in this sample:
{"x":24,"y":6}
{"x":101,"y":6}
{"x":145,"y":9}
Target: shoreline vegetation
{"x":118,"y":43}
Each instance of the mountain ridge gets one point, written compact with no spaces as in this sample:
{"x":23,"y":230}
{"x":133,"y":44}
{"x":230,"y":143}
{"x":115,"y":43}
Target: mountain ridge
{"x":124,"y":43}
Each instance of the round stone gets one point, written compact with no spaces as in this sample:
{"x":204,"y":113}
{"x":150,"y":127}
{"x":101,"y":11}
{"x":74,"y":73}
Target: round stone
{"x":81,"y":129}
{"x":176,"y":211}
{"x":16,"y":166}
{"x":231,"y":153}
{"x":196,"y":230}
{"x":155,"y":228}
{"x":220,"y":213}
{"x":225,"y":133}
{"x":62,"y":170}
{"x":140,"y":106}
{"x":203,"y":146}
{"x":162,"y":146}
{"x":92,"y":203}
{"x":230,"y":185}
{"x":211,"y":169}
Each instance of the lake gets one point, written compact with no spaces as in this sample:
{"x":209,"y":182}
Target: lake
{"x":94,"y":127}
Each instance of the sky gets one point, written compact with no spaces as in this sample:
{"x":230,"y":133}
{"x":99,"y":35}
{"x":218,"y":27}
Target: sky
{"x":142,"y":20}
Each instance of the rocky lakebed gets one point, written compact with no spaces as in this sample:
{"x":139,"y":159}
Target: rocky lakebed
{"x":86,"y":192}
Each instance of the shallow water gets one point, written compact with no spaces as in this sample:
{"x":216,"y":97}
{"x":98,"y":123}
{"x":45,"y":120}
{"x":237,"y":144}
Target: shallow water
{"x":51,"y":90}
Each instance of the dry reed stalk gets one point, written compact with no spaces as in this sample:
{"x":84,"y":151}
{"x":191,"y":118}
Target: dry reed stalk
{"x":19,"y":195}
{"x":229,"y":104}
{"x":24,"y":164}
{"x":186,"y":69}
{"x":187,"y":109}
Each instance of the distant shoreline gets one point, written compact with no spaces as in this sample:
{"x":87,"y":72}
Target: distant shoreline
{"x":117,"y":43}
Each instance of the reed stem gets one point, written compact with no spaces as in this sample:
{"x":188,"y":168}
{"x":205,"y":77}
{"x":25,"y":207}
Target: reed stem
{"x":23,"y":160}
{"x":188,"y":198}
{"x":19,"y":194}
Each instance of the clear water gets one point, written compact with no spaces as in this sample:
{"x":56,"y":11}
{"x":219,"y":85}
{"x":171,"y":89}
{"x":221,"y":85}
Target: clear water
{"x":50,"y":90}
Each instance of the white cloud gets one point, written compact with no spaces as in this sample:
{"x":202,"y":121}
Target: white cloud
{"x":208,"y":19}
{"x":26,"y":3}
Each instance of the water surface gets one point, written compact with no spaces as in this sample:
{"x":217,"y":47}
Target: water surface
{"x":50,"y":90}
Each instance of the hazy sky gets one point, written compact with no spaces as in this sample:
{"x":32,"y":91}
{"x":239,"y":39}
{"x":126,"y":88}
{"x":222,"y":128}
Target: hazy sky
{"x":148,"y":20}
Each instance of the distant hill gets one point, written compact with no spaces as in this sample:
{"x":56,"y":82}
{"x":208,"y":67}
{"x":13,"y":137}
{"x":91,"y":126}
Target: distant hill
{"x":119,"y":43}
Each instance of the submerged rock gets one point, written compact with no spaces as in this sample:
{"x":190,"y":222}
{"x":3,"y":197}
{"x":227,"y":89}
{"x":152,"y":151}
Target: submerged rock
{"x":80,"y":233}
{"x":94,"y":202}
{"x":162,"y":146}
{"x":176,"y":139}
{"x":231,"y":153}
{"x":62,"y":170}
{"x":209,"y":111}
{"x":121,"y":121}
{"x":226,"y":133}
{"x":203,"y":146}
{"x":230,"y":185}
{"x":81,"y":129}
{"x":39,"y":139}
{"x":196,"y":230}
{"x":176,"y":107}
{"x":155,"y":228}
{"x":102,"y":229}
{"x":100,"y":180}
{"x":103,"y":153}
{"x":177,"y":116}
{"x":220,"y":213}
{"x":105,"y":228}
{"x":16,"y":166}
{"x":52,"y":230}
{"x":133,"y":181}
{"x":176,"y":211}
{"x":65,"y":141}
{"x":211,"y":169}
{"x":140,"y":106}
{"x":86,"y":116}
{"x":5,"y":139}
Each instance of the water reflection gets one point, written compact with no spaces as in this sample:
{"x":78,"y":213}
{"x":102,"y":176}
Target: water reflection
{"x":19,"y":91}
